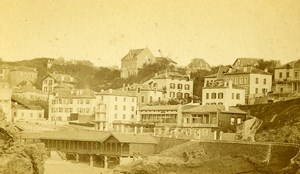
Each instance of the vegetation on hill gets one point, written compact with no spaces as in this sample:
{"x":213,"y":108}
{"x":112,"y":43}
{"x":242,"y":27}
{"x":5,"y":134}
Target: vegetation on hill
{"x":281,"y":121}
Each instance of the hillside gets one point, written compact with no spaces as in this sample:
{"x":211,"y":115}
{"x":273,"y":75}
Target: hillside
{"x":281,"y":121}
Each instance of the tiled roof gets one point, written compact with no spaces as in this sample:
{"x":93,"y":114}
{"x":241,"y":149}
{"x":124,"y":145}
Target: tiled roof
{"x":171,"y":75}
{"x":158,"y":59}
{"x":246,"y":70}
{"x":64,"y":78}
{"x":160,"y":107}
{"x":290,"y":65}
{"x":28,"y":87}
{"x":75,"y":93}
{"x":213,"y":108}
{"x":91,"y":135}
{"x":212,"y":75}
{"x":132,"y":54}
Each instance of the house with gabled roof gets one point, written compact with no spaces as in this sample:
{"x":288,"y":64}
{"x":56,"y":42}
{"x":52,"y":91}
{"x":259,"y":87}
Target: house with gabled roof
{"x":29,"y":92}
{"x":241,"y":62}
{"x":134,"y":60}
{"x":54,"y":81}
{"x":198,"y":64}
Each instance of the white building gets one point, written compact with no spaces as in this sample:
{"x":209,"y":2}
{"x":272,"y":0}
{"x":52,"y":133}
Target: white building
{"x":5,"y":99}
{"x":115,"y":110}
{"x":29,"y":92}
{"x":176,"y":86}
{"x":146,"y":95}
{"x":222,"y":93}
{"x":72,"y":105}
{"x":27,"y":112}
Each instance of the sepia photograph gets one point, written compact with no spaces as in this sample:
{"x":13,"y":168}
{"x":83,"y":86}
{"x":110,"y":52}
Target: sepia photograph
{"x":150,"y":87}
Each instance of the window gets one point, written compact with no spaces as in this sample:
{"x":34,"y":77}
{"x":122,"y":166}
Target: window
{"x":40,"y":115}
{"x":256,"y":80}
{"x":132,"y":108}
{"x":60,"y":110}
{"x":124,"y":116}
{"x":232,"y":95}
{"x":287,"y":74}
{"x":179,"y":95}
{"x":213,"y":95}
{"x":124,"y":99}
{"x":265,"y":81}
{"x":238,"y":96}
{"x":116,"y":107}
{"x":87,"y":101}
{"x":207,"y":103}
{"x":220,"y":95}
{"x":45,"y":81}
{"x":179,"y":86}
{"x":116,"y":116}
{"x":81,"y":101}
{"x":296,"y":75}
{"x":213,"y":103}
{"x":87,"y":110}
{"x":186,"y":87}
{"x":236,"y":80}
{"x":116,"y":98}
{"x":45,"y":89}
{"x":232,"y":120}
{"x":241,"y":80}
{"x":186,"y":95}
{"x":239,"y":120}
{"x":142,"y":99}
{"x":172,"y":85}
{"x":256,"y":90}
{"x":124,"y":108}
{"x":220,"y":103}
{"x":172,"y":94}
{"x":132,"y":116}
{"x":245,"y":80}
{"x":207,"y":95}
{"x":280,"y":75}
{"x":151,"y":99}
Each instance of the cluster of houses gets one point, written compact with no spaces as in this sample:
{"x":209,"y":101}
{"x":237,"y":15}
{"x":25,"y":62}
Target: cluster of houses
{"x":143,"y":107}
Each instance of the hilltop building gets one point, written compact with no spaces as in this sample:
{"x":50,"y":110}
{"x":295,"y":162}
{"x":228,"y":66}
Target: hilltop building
{"x":175,"y":85}
{"x":54,"y":82}
{"x":198,"y":64}
{"x":134,"y":60}
{"x":222,"y":93}
{"x":72,"y":105}
{"x":115,"y":110}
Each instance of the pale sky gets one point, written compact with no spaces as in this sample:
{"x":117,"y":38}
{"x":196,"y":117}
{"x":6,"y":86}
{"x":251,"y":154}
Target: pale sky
{"x":103,"y":31}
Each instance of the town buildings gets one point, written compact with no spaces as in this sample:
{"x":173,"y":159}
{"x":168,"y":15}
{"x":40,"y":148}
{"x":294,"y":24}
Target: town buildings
{"x":134,"y":60}
{"x":54,"y":82}
{"x":175,"y":85}
{"x":244,"y":62}
{"x":115,"y":110}
{"x":221,"y":92}
{"x":29,"y":92}
{"x":5,"y":99}
{"x":198,"y":64}
{"x":26,"y":112}
{"x":20,"y":74}
{"x":72,"y":105}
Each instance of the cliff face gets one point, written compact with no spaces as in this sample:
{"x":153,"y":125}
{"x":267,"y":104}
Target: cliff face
{"x":18,"y":158}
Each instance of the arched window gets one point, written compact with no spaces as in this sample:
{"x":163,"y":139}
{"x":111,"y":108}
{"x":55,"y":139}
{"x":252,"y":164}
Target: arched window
{"x":245,"y":80}
{"x":186,"y":95}
{"x":213,"y":103}
{"x":220,"y":103}
{"x":238,"y":96}
{"x":213,"y":95}
{"x":172,"y":85}
{"x":241,"y":80}
{"x":179,"y":86}
{"x":220,"y":95}
{"x":187,"y":87}
{"x":179,"y":95}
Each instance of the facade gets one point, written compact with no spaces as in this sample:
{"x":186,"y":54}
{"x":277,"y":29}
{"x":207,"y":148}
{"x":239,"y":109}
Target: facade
{"x":223,"y":93}
{"x":176,"y":86}
{"x":72,"y":105}
{"x":54,"y":82}
{"x":22,"y":74}
{"x":29,"y":92}
{"x":115,"y":110}
{"x":198,"y":64}
{"x":21,"y":112}
{"x":134,"y":60}
{"x":4,"y":73}
{"x":146,"y":95}
{"x":287,"y":78}
{"x":5,"y":99}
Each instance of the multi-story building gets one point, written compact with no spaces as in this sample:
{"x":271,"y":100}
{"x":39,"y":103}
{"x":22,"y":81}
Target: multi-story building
{"x":287,"y":78}
{"x":146,"y":95}
{"x":222,"y":93}
{"x":72,"y":105}
{"x":22,"y":74}
{"x":256,"y":82}
{"x":115,"y":110}
{"x":53,"y":82}
{"x":198,"y":64}
{"x":29,"y":92}
{"x":5,"y":99}
{"x":134,"y":60}
{"x":176,"y":86}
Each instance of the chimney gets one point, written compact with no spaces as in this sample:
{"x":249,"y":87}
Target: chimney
{"x":266,"y":69}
